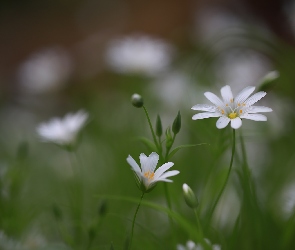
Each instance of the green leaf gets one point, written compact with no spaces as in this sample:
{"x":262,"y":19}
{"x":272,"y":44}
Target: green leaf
{"x":173,"y":152}
{"x":148,"y":143}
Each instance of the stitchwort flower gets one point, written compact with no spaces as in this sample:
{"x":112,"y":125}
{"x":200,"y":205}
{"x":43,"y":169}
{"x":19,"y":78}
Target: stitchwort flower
{"x":146,"y":176}
{"x":63,"y":131}
{"x":232,"y":109}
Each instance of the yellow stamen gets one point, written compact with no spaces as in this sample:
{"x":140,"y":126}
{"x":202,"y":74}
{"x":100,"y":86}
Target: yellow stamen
{"x":241,"y":111}
{"x":231,"y":100}
{"x":239,"y":104}
{"x":232,"y":115}
{"x":149,"y":175}
{"x":222,"y":111}
{"x":226,"y":105}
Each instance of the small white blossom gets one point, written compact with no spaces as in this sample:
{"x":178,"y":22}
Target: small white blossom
{"x":45,"y":71}
{"x":146,"y":176}
{"x":232,"y":109}
{"x":139,"y":54}
{"x":190,"y":245}
{"x":63,"y":131}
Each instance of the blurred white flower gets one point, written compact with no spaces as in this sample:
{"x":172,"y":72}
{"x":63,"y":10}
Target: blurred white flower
{"x":190,"y":245}
{"x":146,"y":176}
{"x":45,"y":71}
{"x":232,"y":109}
{"x":63,"y":131}
{"x":9,"y":243}
{"x":139,"y":54}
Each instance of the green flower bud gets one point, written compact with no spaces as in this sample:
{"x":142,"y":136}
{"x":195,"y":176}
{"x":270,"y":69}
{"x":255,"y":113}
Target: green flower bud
{"x":159,"y":129}
{"x":190,"y":197}
{"x":56,"y":212}
{"x":169,"y":139}
{"x":176,"y":124}
{"x":268,"y":81}
{"x":137,"y":100}
{"x":102,"y":209}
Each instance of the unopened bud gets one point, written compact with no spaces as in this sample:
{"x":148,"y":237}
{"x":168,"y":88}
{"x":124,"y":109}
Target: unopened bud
{"x":169,"y":139}
{"x":159,"y":129}
{"x":268,"y":81}
{"x":137,"y":100}
{"x":177,"y":123}
{"x":190,"y":197}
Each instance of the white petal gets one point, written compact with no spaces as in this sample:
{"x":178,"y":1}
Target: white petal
{"x":226,"y":94}
{"x":244,"y":94}
{"x":214,"y":99}
{"x":254,"y":117}
{"x":236,"y":123}
{"x":255,"y":98}
{"x":133,"y":164}
{"x":204,"y":107}
{"x":148,"y":164}
{"x":222,"y":122}
{"x":162,"y":169}
{"x":205,"y":115}
{"x":258,"y":109}
{"x":168,"y":174}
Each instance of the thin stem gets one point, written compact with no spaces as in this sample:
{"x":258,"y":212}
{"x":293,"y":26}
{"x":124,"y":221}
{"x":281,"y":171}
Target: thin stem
{"x":151,"y":127}
{"x":200,"y":233}
{"x":227,"y":176}
{"x":133,"y":222}
{"x":168,"y":200}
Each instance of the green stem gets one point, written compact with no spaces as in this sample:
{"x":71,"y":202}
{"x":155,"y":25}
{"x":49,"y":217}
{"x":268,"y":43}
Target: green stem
{"x":151,"y":127}
{"x":227,"y":176}
{"x":133,"y":222}
{"x":200,"y":235}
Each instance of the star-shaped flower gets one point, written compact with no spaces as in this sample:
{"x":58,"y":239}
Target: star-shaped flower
{"x":232,"y":109}
{"x":63,"y":131}
{"x":146,"y":176}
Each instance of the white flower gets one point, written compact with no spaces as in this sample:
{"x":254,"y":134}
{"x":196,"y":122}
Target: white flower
{"x":63,"y":131}
{"x":190,"y":245}
{"x":146,"y":175}
{"x":232,"y":109}
{"x":139,"y":54}
{"x":45,"y":71}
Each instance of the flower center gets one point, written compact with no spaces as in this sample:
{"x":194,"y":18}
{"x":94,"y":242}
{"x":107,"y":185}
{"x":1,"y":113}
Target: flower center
{"x":149,"y":175}
{"x":232,"y":115}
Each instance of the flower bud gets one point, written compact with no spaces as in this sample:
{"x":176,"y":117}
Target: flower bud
{"x":190,"y":197}
{"x":268,"y":80}
{"x":137,"y":100}
{"x":176,"y":124}
{"x":159,"y":129}
{"x":169,"y":140}
{"x":102,"y":208}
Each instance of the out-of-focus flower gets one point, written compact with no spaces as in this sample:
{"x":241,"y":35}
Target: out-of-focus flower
{"x":63,"y":131}
{"x":232,"y":109}
{"x":139,"y":54}
{"x":146,"y":176}
{"x":9,"y":243}
{"x":45,"y":71}
{"x":190,"y":245}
